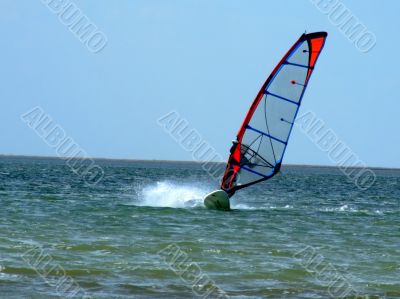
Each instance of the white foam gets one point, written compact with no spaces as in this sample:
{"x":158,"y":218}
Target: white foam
{"x":176,"y":195}
{"x":343,"y":208}
{"x":241,"y":206}
{"x":167,"y":194}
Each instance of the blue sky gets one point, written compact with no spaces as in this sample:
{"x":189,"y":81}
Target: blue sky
{"x":204,"y":59}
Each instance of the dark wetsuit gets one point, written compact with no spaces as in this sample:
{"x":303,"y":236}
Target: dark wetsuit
{"x":244,"y":161}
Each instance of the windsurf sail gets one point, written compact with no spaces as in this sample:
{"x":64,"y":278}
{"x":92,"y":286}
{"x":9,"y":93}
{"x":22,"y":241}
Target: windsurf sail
{"x":257,"y":153}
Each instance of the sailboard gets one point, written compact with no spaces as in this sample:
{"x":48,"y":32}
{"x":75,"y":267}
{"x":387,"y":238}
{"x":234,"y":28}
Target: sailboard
{"x":257,"y":153}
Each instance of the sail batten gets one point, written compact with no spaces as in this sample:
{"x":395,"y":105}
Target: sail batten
{"x":299,"y":65}
{"x":282,"y":98}
{"x":262,"y":139}
{"x":265,"y":134}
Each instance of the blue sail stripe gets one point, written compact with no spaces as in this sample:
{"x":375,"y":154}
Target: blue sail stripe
{"x":253,"y":171}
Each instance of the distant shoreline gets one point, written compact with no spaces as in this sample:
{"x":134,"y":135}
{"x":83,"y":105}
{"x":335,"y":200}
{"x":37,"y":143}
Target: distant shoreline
{"x":174,"y":161}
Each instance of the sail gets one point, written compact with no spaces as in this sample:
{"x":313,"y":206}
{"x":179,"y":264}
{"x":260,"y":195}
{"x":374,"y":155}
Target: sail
{"x":261,"y":142}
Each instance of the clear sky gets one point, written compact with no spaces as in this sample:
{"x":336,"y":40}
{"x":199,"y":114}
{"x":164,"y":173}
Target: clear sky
{"x":204,"y":59}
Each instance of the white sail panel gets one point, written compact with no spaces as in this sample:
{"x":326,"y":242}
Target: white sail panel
{"x":261,"y":141}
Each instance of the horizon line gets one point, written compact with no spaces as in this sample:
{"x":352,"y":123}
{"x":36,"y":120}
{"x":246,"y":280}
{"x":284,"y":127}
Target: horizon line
{"x":178,"y":161}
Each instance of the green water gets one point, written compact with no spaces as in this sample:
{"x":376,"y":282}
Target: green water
{"x":133,"y":234}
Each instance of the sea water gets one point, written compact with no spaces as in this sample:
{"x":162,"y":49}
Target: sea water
{"x":142,"y":232}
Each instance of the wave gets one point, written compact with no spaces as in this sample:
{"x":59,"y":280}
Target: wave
{"x":352,"y":209}
{"x":178,"y":195}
